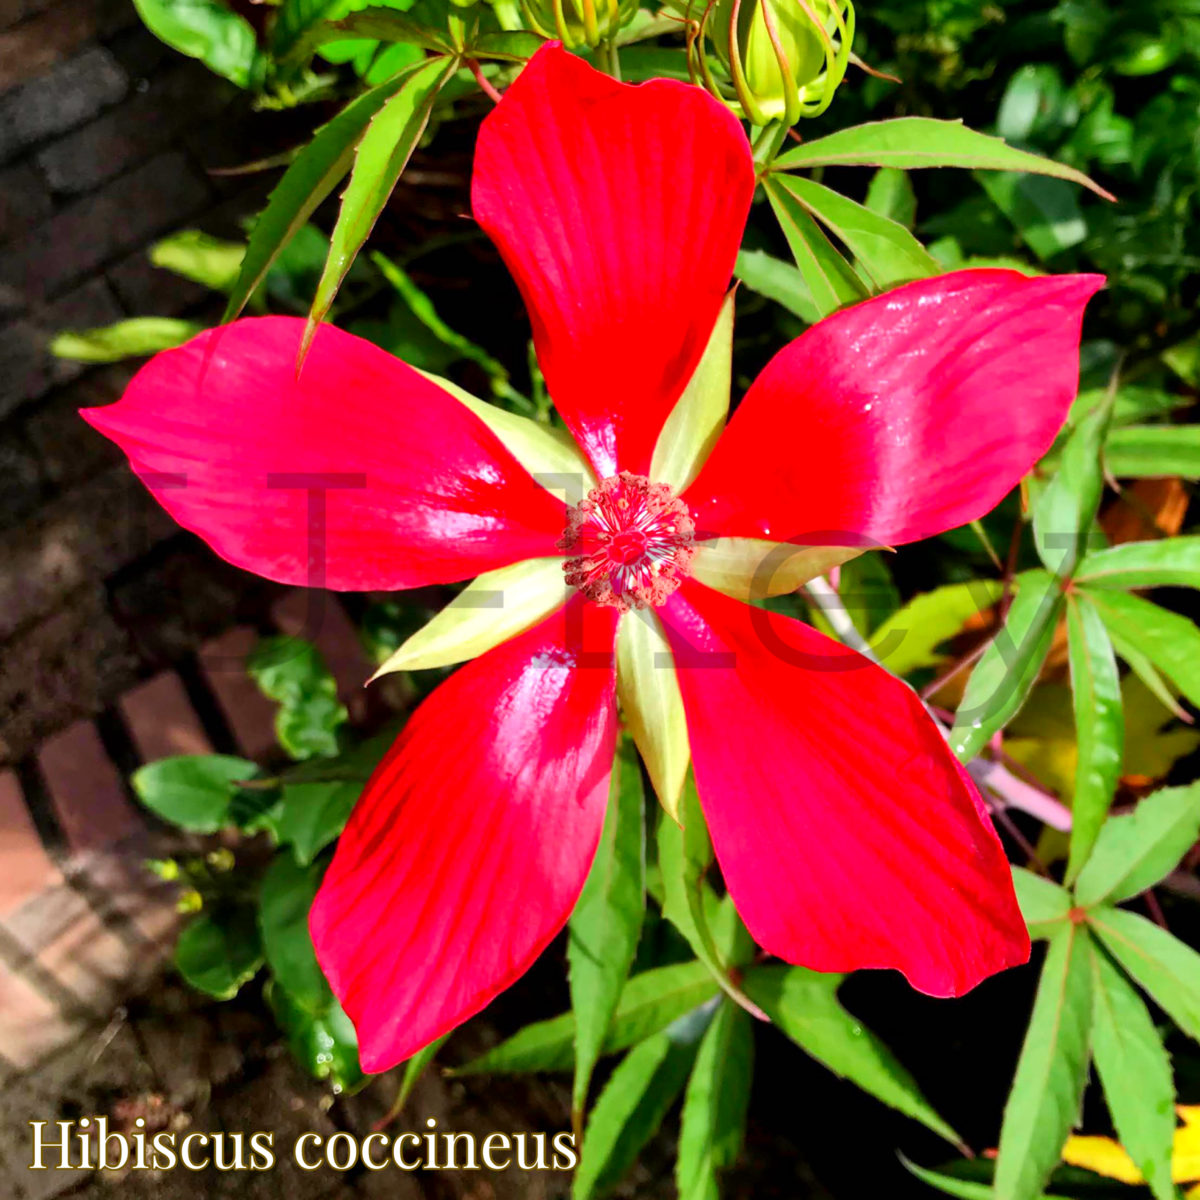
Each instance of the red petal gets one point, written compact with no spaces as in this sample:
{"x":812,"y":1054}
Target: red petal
{"x":903,"y":416}
{"x":417,"y":489}
{"x":619,"y":211}
{"x":472,"y":840}
{"x":848,"y":834}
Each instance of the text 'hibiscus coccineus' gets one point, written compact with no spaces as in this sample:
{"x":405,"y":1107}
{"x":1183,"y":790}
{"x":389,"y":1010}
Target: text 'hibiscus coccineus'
{"x":847,"y":833}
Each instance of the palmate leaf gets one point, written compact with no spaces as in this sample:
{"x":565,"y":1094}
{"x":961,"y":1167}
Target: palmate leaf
{"x":379,"y":159}
{"x":1044,"y":904}
{"x":1172,"y":562}
{"x":805,"y":1006}
{"x":1149,"y":451}
{"x":714,"y":1107}
{"x":1134,"y":851}
{"x":779,"y":281}
{"x":1099,"y":725}
{"x":917,"y":142}
{"x":607,"y":921}
{"x":1009,"y":666}
{"x":1047,"y":1092}
{"x":1135,"y":1072}
{"x":287,"y":894}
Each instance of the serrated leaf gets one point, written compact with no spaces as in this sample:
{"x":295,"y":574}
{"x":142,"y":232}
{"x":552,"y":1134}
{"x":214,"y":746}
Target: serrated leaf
{"x":193,"y":791}
{"x":634,"y":1102}
{"x":885,"y":251}
{"x":917,"y":142}
{"x":1152,"y":451}
{"x":1044,"y":904}
{"x":649,"y":1003}
{"x":379,"y":160}
{"x":1167,"y":968}
{"x":1134,"y":851}
{"x":1009,"y":666}
{"x":1047,"y":1091}
{"x":315,"y":172}
{"x":779,"y":281}
{"x":805,"y":1006}
{"x":830,"y":279}
{"x":607,"y":921}
{"x":1172,"y":562}
{"x":218,"y":952}
{"x":1099,"y":725}
{"x":288,"y":891}
{"x":1135,"y":1072}
{"x":714,"y":1107}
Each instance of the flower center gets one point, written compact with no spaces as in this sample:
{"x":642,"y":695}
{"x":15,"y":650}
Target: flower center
{"x":632,"y":540}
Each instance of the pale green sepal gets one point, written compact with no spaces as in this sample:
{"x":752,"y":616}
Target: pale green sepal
{"x":550,"y":455}
{"x":752,"y":569}
{"x":696,"y":421}
{"x":492,"y":609}
{"x":649,"y":693}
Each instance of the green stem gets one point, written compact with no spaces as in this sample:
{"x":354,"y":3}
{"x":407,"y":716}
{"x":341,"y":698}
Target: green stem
{"x":768,"y":143}
{"x":609,"y":58}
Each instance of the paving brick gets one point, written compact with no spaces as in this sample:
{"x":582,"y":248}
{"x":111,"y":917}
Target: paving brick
{"x":144,"y":288}
{"x":148,"y":122}
{"x":24,"y":201}
{"x":145,"y":905}
{"x":34,"y":46}
{"x":33,"y":1025}
{"x":70,"y":94}
{"x":160,"y":194}
{"x":86,"y":789}
{"x":250,"y":714}
{"x":138,"y":51}
{"x":161,"y":720}
{"x":319,"y":617}
{"x":70,"y":664}
{"x":26,"y":870}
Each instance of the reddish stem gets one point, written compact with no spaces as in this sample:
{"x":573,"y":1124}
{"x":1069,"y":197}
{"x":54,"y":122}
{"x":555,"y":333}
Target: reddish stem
{"x":483,"y":81}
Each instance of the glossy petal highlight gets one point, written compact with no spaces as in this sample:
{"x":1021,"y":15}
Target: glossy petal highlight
{"x":619,"y":210}
{"x":849,"y":836}
{"x":472,"y":840}
{"x":361,"y":474}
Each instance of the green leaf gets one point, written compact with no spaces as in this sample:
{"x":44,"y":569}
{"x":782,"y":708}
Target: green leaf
{"x":713,"y":1126}
{"x":1044,"y":211}
{"x":218,"y":952}
{"x":296,"y":29}
{"x":1134,"y":851}
{"x":650,"y":1002}
{"x":1044,"y":904}
{"x":779,"y":281}
{"x":197,"y":256}
{"x":885,"y":251}
{"x":205,"y":29}
{"x":917,"y":142}
{"x":1130,"y":404}
{"x":1169,"y":641}
{"x":631,"y":1107}
{"x":133,"y":338}
{"x":966,"y":1189}
{"x":805,"y":1006}
{"x":313,"y":814}
{"x":1172,"y":562}
{"x":1135,"y":1072}
{"x":192,"y":791}
{"x":891,"y":195}
{"x":388,"y":25}
{"x":1047,"y":1092}
{"x":607,"y":921}
{"x":1167,"y":968}
{"x":291,"y":672}
{"x":1151,"y":451}
{"x":380,"y":158}
{"x":1009,"y":666}
{"x":508,"y":45}
{"x":1099,"y":725}
{"x":414,"y":1068}
{"x":1065,"y":509}
{"x":315,"y":172}
{"x":288,"y":892}
{"x":908,"y":639}
{"x":830,"y":279}
{"x":324,"y":1043}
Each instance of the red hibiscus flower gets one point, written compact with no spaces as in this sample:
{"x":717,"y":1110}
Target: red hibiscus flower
{"x":848,"y":834}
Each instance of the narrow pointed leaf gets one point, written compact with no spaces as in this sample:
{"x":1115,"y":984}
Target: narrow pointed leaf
{"x":831,"y":280}
{"x":805,"y":1006}
{"x":649,"y":1003}
{"x":1166,"y":693}
{"x":388,"y":25}
{"x":1172,"y":562}
{"x":1134,"y":851}
{"x":1135,"y":1072}
{"x":1044,"y":904}
{"x":380,"y":158}
{"x":890,"y":194}
{"x":779,"y":281}
{"x":1009,"y":666}
{"x":909,"y":638}
{"x":414,"y":1068}
{"x":966,"y":1189}
{"x":607,"y":921}
{"x":885,"y":251}
{"x":916,"y":142}
{"x":713,"y":1126}
{"x":1099,"y":725}
{"x":133,"y":338}
{"x":1152,"y":451}
{"x":1047,"y":1092}
{"x":315,"y":172}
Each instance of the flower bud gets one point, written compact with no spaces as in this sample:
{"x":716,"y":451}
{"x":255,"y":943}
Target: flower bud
{"x":578,"y":23}
{"x":785,"y":57}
